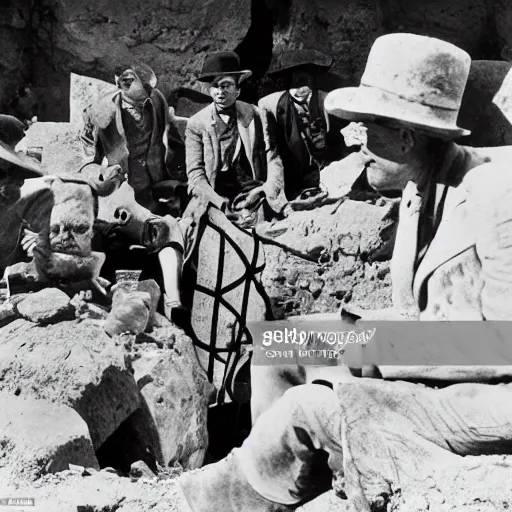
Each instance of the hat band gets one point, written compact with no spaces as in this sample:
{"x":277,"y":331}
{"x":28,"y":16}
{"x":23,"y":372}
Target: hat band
{"x":383,"y":103}
{"x":409,"y":99}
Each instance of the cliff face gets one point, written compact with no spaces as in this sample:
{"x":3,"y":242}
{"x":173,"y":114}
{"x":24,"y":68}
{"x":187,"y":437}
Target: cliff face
{"x":45,"y":40}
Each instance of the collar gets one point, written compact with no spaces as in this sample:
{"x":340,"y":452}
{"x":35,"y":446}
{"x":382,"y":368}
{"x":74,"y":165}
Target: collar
{"x":301,"y":101}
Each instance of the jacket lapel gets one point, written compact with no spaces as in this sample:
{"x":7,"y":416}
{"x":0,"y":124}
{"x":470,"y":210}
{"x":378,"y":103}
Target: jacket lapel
{"x":119,"y":119}
{"x":246,"y":129}
{"x":452,"y":236}
{"x":214,"y":138}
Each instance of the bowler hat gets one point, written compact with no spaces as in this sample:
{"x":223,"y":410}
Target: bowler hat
{"x":415,"y":80}
{"x":223,"y":64}
{"x":11,"y":132}
{"x":315,"y":61}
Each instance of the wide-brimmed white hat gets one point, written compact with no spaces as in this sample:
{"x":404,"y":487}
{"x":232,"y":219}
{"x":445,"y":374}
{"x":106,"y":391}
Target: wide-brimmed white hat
{"x":415,"y":80}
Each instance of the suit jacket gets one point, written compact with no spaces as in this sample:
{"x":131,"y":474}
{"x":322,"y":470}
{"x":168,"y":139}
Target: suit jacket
{"x":104,"y":135}
{"x":466,"y":273}
{"x":203,"y":153}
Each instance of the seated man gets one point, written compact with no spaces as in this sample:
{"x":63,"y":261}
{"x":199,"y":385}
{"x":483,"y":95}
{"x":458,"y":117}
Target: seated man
{"x":307,"y":140}
{"x":132,"y":127}
{"x":452,"y":261}
{"x":229,"y":148}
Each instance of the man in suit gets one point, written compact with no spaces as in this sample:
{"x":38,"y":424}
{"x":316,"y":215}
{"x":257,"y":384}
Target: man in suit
{"x":230,"y":149}
{"x":452,"y":261}
{"x":306,"y":139}
{"x":133,"y":127}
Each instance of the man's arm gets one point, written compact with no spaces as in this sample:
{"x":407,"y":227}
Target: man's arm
{"x":90,"y":138}
{"x":274,"y":186}
{"x":198,"y":183}
{"x":494,"y":248}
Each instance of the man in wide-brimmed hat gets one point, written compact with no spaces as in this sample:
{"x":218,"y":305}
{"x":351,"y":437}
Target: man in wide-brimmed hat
{"x":229,"y":148}
{"x":452,"y":261}
{"x":306,"y":139}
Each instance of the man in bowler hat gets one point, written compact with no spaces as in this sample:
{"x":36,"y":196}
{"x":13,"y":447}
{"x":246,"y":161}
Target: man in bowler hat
{"x":230,"y":151}
{"x":452,"y":261}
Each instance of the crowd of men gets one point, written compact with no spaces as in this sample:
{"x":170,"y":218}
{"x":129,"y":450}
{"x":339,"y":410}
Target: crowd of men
{"x":248,"y":161}
{"x":452,"y":258}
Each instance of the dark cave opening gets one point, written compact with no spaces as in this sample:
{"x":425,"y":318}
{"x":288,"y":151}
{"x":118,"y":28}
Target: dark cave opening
{"x":255,"y":51}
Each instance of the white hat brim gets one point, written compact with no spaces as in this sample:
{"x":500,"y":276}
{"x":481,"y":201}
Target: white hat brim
{"x":369,"y":103}
{"x":26,"y":167}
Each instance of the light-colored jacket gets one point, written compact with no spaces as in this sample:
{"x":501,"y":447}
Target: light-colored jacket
{"x":466,"y":273}
{"x":203,"y":153}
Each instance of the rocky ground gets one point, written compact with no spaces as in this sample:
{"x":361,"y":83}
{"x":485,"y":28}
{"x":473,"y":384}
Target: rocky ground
{"x":132,"y":414}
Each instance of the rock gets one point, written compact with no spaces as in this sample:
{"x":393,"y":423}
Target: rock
{"x":338,"y":177}
{"x":48,"y":306}
{"x":346,"y":242}
{"x":72,"y":363}
{"x":62,"y":149}
{"x":8,"y":313}
{"x":39,"y":437}
{"x":172,"y":420}
{"x":94,"y":38}
{"x":486,"y":108}
{"x":129,"y":314}
{"x":140,"y":469}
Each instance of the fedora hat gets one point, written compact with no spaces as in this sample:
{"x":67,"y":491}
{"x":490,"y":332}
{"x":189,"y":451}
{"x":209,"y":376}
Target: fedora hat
{"x":223,"y":64}
{"x":415,"y":80}
{"x":12,"y":131}
{"x":316,"y":61}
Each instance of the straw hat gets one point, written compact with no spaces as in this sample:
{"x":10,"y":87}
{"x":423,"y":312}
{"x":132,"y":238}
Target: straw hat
{"x":415,"y":80}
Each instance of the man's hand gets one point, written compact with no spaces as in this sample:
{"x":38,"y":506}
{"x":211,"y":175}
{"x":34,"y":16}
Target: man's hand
{"x":28,"y":242}
{"x":251,"y":199}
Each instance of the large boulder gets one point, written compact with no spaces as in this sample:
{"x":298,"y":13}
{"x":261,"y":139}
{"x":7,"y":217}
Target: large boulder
{"x":39,"y":437}
{"x":175,"y":395}
{"x":72,"y":363}
{"x":170,"y":426}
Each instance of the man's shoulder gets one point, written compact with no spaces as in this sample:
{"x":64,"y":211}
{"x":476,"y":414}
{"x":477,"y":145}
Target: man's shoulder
{"x":200,"y":118}
{"x":103,"y":110}
{"x":270,"y":101}
{"x":489,"y":181}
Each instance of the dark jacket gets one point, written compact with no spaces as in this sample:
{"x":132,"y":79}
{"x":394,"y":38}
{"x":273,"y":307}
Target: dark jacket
{"x":104,"y":135}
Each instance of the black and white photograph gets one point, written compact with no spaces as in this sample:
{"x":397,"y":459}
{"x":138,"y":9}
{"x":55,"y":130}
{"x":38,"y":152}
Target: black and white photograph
{"x":255,"y":255}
